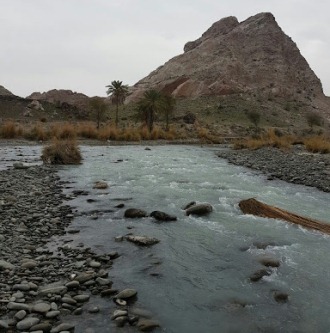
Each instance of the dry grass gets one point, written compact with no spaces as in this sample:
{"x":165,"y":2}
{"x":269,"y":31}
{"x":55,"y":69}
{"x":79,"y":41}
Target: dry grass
{"x":36,"y":132}
{"x":317,"y":144}
{"x":268,"y":139}
{"x":87,"y":130}
{"x":61,"y":152}
{"x":10,"y":130}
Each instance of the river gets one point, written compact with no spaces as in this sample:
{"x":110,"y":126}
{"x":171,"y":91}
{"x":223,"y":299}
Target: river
{"x":197,"y":278}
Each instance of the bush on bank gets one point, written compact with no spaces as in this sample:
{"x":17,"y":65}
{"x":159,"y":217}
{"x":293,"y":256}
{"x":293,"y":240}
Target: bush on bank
{"x":61,"y":152}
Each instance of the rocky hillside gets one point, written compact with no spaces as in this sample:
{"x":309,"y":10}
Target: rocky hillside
{"x":251,"y":61}
{"x":4,"y":91}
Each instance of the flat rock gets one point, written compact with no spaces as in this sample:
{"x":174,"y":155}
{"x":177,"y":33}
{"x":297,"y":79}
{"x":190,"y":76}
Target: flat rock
{"x":142,"y":240}
{"x":41,"y":307}
{"x":126,"y":293}
{"x":145,"y":325}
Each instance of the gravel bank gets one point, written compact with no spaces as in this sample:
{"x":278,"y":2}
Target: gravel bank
{"x":40,"y":286}
{"x":294,"y":166}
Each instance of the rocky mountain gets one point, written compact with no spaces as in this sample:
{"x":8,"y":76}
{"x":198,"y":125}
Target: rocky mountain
{"x":253,"y":58}
{"x":4,"y":91}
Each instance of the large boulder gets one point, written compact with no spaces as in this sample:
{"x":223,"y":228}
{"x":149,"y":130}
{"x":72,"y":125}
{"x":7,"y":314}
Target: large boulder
{"x":199,"y":209}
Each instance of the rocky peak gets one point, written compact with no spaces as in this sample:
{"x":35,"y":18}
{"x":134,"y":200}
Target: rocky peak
{"x":254,"y":57}
{"x":222,"y":27}
{"x":5,"y":92}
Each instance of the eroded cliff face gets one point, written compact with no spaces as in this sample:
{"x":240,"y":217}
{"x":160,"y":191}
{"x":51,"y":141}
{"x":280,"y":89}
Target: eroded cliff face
{"x":254,"y":56}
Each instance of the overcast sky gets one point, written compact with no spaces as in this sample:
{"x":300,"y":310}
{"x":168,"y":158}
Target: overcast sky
{"x":83,"y":45}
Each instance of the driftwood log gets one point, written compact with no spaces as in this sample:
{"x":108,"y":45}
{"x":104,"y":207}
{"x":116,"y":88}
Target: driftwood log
{"x":257,"y":208}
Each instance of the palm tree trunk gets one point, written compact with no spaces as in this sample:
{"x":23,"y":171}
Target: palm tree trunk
{"x":117,"y":120}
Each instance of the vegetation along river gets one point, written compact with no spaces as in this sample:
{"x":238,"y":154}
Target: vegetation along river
{"x":197,"y":278}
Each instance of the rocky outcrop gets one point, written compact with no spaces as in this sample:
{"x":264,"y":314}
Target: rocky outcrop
{"x":65,"y":99}
{"x":4,"y":91}
{"x":253,"y":56}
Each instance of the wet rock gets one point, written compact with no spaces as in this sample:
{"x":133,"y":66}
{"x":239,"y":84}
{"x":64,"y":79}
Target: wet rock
{"x":85,"y":276}
{"x":121,"y":321}
{"x":269,"y":262}
{"x":119,"y":313}
{"x":20,"y":165}
{"x":109,"y":292}
{"x":62,"y":327}
{"x":142,"y":240}
{"x":52,"y":314}
{"x":281,"y":297}
{"x":145,"y":325}
{"x":20,"y":315}
{"x":81,"y":298}
{"x":42,"y":327}
{"x":100,"y":185}
{"x":6,"y":265}
{"x":120,"y":205}
{"x":41,"y":307}
{"x":94,"y":309}
{"x":27,"y":323}
{"x":126,"y":293}
{"x":199,"y":209}
{"x":18,"y":306}
{"x":259,"y":275}
{"x":161,"y":216}
{"x":188,"y":205}
{"x":53,"y":289}
{"x":135,"y":213}
{"x":72,"y":284}
{"x":3,"y":325}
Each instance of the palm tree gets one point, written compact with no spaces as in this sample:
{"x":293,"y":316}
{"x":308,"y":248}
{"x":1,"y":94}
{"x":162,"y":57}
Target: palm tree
{"x":149,"y":105}
{"x":118,"y":92}
{"x":168,"y":107}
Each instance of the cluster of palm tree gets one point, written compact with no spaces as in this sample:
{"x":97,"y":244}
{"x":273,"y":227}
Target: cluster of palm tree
{"x":151,"y":104}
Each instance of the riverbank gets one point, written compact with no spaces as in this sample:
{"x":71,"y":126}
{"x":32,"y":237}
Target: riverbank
{"x":294,"y":166}
{"x":43,"y":283}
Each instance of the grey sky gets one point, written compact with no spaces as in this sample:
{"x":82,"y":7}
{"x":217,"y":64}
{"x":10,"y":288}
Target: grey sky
{"x":83,"y":45}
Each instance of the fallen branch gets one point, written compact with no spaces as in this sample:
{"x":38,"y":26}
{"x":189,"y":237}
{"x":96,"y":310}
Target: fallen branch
{"x":257,"y":208}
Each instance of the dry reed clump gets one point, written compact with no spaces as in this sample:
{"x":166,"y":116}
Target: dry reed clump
{"x":108,"y":133}
{"x":36,"y":132}
{"x":268,"y":139}
{"x":62,"y":131}
{"x":87,"y":131}
{"x":10,"y":130}
{"x":205,"y":136}
{"x":317,"y":144}
{"x":61,"y":152}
